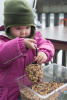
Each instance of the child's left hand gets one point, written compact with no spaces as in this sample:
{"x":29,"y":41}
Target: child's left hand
{"x":41,"y":57}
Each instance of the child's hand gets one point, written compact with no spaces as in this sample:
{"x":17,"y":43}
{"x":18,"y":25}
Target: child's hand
{"x":41,"y":57}
{"x":30,"y":43}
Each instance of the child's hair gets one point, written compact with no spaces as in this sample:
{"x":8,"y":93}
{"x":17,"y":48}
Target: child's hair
{"x":18,"y":13}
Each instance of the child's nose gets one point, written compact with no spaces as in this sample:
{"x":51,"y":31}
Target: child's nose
{"x":23,"y":31}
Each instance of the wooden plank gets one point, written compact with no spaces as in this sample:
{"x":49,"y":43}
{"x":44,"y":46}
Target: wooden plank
{"x":40,"y":17}
{"x":56,"y":19}
{"x":52,"y":6}
{"x":47,"y":19}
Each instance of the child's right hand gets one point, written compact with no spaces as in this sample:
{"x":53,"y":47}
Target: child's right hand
{"x":30,"y":43}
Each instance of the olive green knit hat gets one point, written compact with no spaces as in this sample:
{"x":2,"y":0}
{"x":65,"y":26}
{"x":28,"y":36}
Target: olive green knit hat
{"x":16,"y":13}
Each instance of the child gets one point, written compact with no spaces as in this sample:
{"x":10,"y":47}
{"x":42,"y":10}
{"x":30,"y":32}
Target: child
{"x":18,"y":49}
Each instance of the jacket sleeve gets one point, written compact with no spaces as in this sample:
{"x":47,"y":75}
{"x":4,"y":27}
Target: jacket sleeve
{"x":45,"y":46}
{"x":11,"y":50}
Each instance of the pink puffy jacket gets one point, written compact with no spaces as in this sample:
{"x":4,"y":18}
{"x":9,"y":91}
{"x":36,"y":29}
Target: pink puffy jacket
{"x":13,"y":58}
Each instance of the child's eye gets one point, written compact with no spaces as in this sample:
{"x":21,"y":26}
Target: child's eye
{"x":27,"y":27}
{"x":17,"y":28}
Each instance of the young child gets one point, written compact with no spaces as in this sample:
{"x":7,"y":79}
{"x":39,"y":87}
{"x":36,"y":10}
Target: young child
{"x":18,"y":48}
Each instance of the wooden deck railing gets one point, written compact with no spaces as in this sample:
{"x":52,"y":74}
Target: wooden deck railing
{"x":56,"y":23}
{"x":56,"y":18}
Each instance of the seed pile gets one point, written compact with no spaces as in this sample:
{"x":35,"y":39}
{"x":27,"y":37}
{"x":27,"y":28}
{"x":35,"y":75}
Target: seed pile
{"x":46,"y":87}
{"x":35,"y":73}
{"x":42,"y":89}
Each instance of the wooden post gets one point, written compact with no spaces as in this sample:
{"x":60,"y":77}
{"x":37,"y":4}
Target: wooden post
{"x":65,"y":19}
{"x":64,"y":58}
{"x":40,"y":17}
{"x":55,"y":56}
{"x":47,"y":19}
{"x":64,"y":52}
{"x":56,"y":19}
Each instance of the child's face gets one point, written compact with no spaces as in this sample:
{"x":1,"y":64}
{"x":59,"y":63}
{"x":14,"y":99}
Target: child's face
{"x":20,"y":31}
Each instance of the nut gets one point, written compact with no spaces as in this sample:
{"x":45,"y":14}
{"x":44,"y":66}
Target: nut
{"x":46,"y":87}
{"x":34,"y":72}
{"x":42,"y":89}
